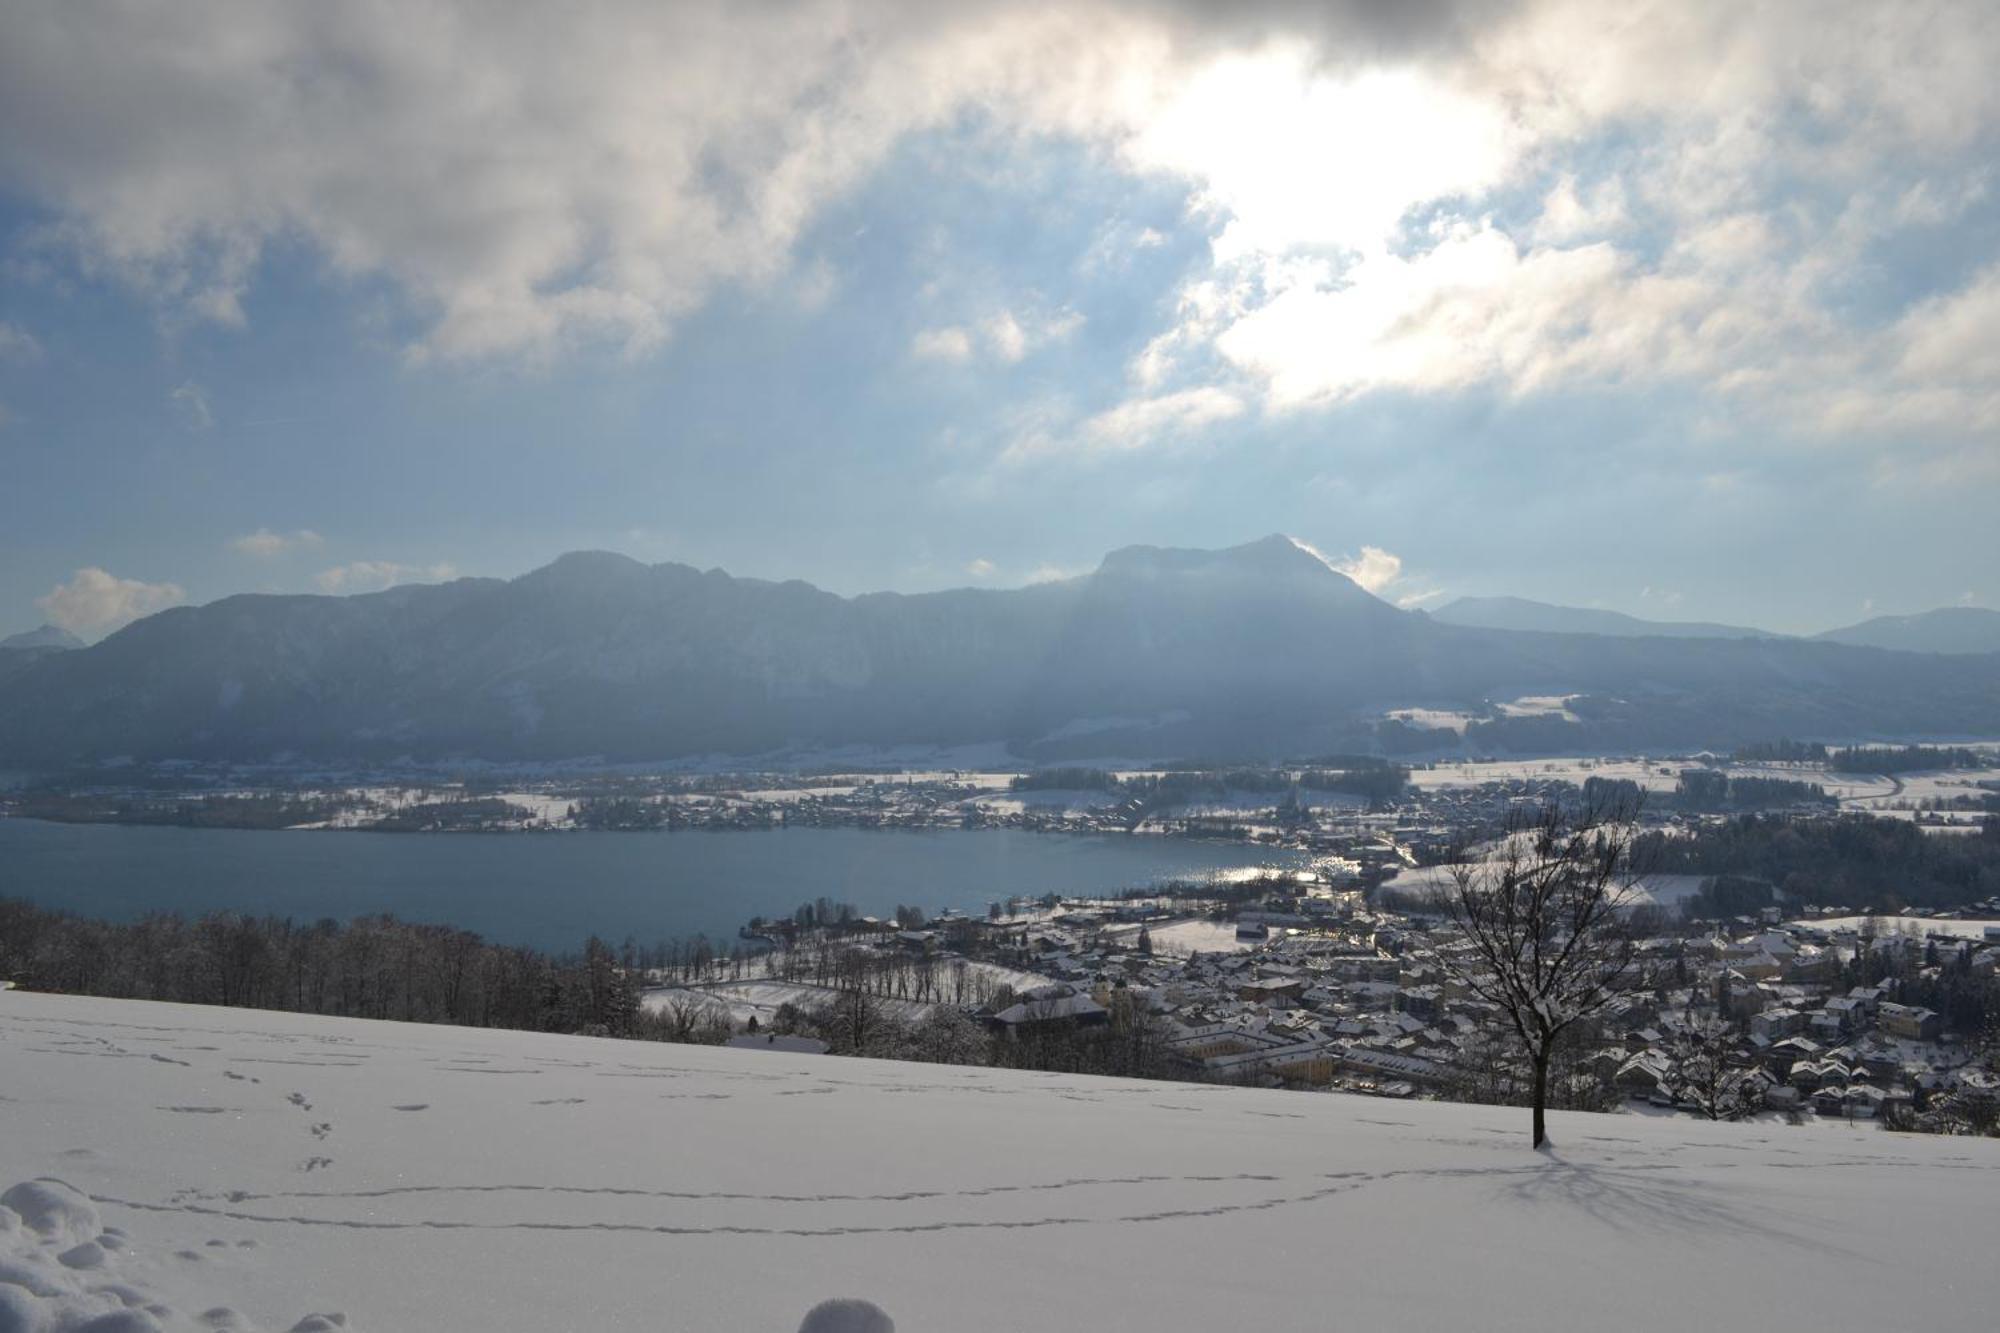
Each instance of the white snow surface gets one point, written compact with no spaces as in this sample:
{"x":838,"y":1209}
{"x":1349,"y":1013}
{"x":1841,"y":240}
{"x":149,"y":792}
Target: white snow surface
{"x":232,"y":1169}
{"x":1920,"y":926}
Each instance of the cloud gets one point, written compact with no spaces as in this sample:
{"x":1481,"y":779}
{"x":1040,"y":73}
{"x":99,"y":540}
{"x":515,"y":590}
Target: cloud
{"x":376,"y":575}
{"x":530,"y":182}
{"x":264,"y":543}
{"x":1704,"y":207}
{"x":17,"y":344}
{"x":1430,"y":199}
{"x":1569,"y":215}
{"x":189,"y":402}
{"x":951,"y":344}
{"x":95,"y":602}
{"x":981,"y":568}
{"x":1141,"y":421}
{"x":1374,"y":568}
{"x":533,"y":181}
{"x":1376,"y":571}
{"x":1005,"y":335}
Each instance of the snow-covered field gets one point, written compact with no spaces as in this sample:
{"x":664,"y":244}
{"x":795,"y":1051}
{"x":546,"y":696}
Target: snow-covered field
{"x":227,"y":1169}
{"x":1660,"y":889}
{"x":1652,"y":774}
{"x":1178,"y":939}
{"x":761,"y":1000}
{"x":1896,"y":925}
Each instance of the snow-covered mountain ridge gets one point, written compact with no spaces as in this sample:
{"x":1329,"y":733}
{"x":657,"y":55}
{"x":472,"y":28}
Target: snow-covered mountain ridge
{"x":239,"y":1169}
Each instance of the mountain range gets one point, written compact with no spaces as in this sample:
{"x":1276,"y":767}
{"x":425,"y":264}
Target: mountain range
{"x":1254,"y":650}
{"x":1951,"y":629}
{"x":1541,"y":617}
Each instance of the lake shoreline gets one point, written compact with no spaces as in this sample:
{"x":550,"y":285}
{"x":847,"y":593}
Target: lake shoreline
{"x":554,"y":892}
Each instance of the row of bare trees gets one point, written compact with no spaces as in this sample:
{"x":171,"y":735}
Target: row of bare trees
{"x":919,"y":976}
{"x":371,"y":967}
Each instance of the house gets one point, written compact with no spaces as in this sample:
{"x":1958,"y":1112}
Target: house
{"x":1773,"y":1024}
{"x":1909,"y":1022}
{"x":1779,"y":1097}
{"x":1420,"y":1002}
{"x":1819,"y":1075}
{"x":1049,"y":1008}
{"x":1641,"y":1075}
{"x":1393,"y":1064}
{"x":1253,"y":1055}
{"x":1267,"y":990}
{"x":1869,"y":998}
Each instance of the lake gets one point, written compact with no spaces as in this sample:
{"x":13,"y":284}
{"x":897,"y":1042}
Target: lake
{"x":553,"y":890}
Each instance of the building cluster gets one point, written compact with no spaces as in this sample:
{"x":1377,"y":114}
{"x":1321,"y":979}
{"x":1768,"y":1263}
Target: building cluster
{"x":1346,"y":996}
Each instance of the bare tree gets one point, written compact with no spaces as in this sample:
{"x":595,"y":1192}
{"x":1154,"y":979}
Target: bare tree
{"x":1543,"y":936}
{"x":686,"y":1017}
{"x":1704,"y":1070}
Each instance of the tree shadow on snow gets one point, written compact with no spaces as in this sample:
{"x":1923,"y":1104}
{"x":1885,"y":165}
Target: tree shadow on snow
{"x":1656,"y":1199}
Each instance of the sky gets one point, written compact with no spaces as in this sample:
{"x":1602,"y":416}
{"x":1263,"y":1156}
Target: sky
{"x":1685,"y":310}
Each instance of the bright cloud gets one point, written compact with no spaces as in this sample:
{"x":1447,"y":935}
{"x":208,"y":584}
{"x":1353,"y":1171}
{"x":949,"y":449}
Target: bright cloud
{"x":1374,"y":568}
{"x":1293,"y":158}
{"x":1142,"y":421}
{"x":1006,"y":337}
{"x":1377,"y":571}
{"x":95,"y":602}
{"x":981,"y":568}
{"x":264,"y":543}
{"x":376,"y":575}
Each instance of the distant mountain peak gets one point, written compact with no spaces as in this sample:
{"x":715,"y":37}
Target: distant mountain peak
{"x":586,"y":567}
{"x":1949,"y":629}
{"x":48,"y":636}
{"x":1274,"y":556}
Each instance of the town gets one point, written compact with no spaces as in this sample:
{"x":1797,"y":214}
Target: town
{"x":1349,"y":975}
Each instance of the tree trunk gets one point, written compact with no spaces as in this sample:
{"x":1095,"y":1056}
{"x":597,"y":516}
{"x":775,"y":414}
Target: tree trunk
{"x":1541,"y":1096}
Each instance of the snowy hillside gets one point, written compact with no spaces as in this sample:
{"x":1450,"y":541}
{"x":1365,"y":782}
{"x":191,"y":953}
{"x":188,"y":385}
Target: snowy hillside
{"x":249,"y":1170}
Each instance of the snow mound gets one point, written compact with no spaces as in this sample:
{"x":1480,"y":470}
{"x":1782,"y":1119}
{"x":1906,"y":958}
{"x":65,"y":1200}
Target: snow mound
{"x":847,"y":1316}
{"x":48,"y":1285}
{"x":52,"y":1210}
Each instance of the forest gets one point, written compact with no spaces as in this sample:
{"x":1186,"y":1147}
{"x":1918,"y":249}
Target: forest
{"x":1854,"y":862}
{"x":380,"y":967}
